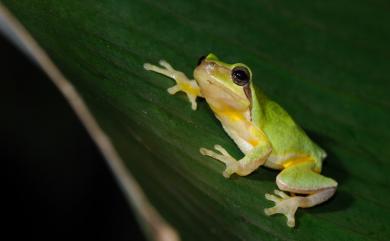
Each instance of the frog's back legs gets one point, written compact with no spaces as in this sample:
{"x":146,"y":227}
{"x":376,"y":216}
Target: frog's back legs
{"x":301,"y":179}
{"x":190,"y":87}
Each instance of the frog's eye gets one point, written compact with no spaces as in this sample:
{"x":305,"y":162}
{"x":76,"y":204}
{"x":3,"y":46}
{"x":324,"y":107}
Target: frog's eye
{"x":200,"y":60}
{"x":240,"y":75}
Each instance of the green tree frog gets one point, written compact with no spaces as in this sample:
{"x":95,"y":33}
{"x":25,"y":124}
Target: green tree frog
{"x":262,"y":129}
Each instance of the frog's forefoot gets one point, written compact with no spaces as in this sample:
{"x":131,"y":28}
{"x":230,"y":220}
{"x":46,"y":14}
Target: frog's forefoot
{"x":190,"y":87}
{"x":284,"y":204}
{"x":223,"y":156}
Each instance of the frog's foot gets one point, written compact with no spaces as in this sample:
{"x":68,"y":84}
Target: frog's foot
{"x":284,"y":204}
{"x":223,"y":156}
{"x":190,"y":87}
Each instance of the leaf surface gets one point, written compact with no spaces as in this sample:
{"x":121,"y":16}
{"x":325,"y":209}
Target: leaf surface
{"x":327,"y":63}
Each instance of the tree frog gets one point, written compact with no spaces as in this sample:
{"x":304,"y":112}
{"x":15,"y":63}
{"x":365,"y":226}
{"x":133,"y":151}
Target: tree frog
{"x":261,"y":128}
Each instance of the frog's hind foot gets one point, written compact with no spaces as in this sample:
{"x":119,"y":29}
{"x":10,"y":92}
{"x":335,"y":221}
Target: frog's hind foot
{"x":190,"y":87}
{"x":284,"y":204}
{"x":223,"y":156}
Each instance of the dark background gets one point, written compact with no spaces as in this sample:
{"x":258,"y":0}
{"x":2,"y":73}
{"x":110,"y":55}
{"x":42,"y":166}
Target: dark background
{"x":57,"y":185}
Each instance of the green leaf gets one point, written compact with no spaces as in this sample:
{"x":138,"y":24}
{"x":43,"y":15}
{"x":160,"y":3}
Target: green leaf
{"x":326,"y":62}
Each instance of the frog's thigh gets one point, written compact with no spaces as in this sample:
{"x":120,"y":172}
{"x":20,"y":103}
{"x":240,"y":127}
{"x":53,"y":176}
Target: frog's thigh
{"x":300,"y":178}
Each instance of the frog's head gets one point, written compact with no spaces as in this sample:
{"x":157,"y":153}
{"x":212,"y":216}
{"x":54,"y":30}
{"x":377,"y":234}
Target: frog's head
{"x":224,"y":85}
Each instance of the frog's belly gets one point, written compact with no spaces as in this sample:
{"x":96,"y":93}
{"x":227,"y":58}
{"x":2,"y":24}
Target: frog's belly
{"x":243,"y":144}
{"x":274,"y":161}
{"x":246,"y":138}
{"x":240,"y":129}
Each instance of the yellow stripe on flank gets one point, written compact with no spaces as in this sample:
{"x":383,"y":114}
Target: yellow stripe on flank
{"x":235,"y":116}
{"x":297,"y":160}
{"x":231,"y":114}
{"x":253,"y":142}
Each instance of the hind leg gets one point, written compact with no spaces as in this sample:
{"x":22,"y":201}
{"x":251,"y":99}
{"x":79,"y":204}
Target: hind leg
{"x":299,"y":179}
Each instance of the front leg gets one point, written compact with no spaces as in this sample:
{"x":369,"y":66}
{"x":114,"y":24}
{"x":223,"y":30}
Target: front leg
{"x":190,"y":87}
{"x":301,"y":179}
{"x":249,"y":163}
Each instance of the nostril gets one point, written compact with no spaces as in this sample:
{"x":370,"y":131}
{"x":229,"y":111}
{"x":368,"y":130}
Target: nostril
{"x":200,"y":60}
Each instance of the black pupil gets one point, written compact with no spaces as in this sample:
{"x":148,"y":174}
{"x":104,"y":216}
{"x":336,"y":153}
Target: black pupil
{"x":240,"y":76}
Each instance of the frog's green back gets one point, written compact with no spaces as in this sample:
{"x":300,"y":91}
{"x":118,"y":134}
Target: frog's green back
{"x":284,"y":134}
